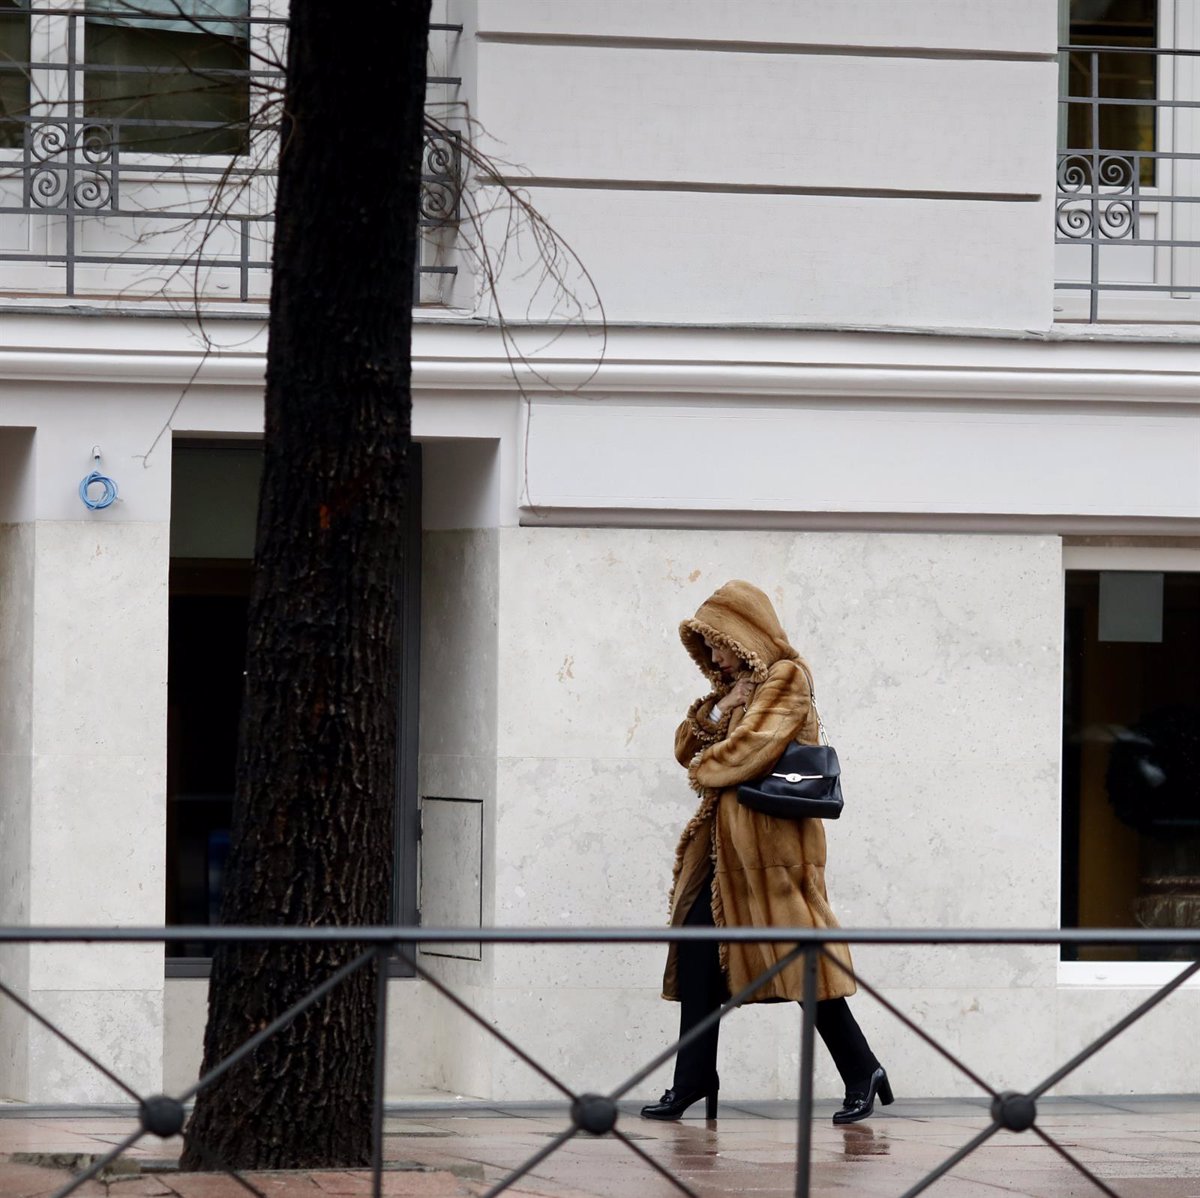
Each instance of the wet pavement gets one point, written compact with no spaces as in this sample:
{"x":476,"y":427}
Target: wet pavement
{"x":1139,"y":1147}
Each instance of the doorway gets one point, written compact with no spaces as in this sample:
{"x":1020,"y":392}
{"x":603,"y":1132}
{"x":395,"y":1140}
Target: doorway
{"x":214,"y":502}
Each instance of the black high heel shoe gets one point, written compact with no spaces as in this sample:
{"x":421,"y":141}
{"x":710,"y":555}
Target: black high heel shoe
{"x":860,"y":1101}
{"x":674,"y":1102}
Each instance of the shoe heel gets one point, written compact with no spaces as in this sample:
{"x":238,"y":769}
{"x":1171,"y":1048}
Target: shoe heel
{"x":710,"y":1105}
{"x":885,"y":1091}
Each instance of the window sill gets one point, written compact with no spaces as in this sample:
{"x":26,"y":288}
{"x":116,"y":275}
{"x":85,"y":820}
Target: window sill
{"x":1125,"y":974}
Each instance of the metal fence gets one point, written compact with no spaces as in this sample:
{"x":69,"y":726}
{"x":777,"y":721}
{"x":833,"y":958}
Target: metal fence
{"x":587,"y":1112}
{"x":1128,"y":172}
{"x":108,"y":174}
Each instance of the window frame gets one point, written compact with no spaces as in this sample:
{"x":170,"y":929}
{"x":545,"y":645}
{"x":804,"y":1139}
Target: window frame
{"x":405,"y":911}
{"x":1166,"y":560}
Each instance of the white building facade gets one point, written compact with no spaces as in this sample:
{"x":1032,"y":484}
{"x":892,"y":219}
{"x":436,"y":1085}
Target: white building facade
{"x":818,"y":332}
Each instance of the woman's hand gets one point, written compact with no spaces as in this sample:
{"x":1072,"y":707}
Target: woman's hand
{"x":740,"y":694}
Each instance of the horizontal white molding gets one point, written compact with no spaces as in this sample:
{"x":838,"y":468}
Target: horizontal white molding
{"x":850,"y":456}
{"x":894,"y":522}
{"x":130,"y":366}
{"x":582,"y":379}
{"x":1165,"y":558}
{"x":649,"y":363}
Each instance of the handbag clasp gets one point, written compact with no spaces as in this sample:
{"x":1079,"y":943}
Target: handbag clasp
{"x":798,"y":777}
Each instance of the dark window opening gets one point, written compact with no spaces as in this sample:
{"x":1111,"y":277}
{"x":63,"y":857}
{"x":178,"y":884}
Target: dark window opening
{"x":14,"y":76}
{"x":214,"y":500}
{"x":205,"y":659}
{"x":1131,"y":756}
{"x":1117,"y":75}
{"x":173,"y":86}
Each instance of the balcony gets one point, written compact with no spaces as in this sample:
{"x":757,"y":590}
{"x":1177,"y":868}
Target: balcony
{"x":1127,"y":202}
{"x":138,"y":156}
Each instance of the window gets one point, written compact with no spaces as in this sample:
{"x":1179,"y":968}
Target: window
{"x":1127,"y":226}
{"x":14,"y":75}
{"x":214,"y":498}
{"x":170,"y":73}
{"x":1131,"y":754}
{"x":206,"y":649}
{"x":1120,"y":74}
{"x":214,"y":503}
{"x":143,"y":133}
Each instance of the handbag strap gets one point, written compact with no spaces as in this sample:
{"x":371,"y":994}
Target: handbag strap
{"x":812,"y":698}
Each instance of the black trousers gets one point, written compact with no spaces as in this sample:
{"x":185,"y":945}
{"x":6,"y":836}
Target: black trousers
{"x":702,"y":989}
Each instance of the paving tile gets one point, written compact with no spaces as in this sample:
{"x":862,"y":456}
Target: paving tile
{"x":1143,"y":1148}
{"x":409,"y":1183}
{"x":142,"y":1187}
{"x":220,"y":1185}
{"x":34,"y":1181}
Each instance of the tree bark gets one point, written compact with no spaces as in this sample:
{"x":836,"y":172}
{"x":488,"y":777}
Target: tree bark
{"x":312,"y":837}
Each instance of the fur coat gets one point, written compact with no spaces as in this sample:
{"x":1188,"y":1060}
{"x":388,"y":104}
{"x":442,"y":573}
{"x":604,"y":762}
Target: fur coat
{"x":769,"y":872}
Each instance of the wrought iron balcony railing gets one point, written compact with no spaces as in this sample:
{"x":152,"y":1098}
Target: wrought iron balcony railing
{"x":1127,"y":203}
{"x":592,"y":1113}
{"x":138,"y":156}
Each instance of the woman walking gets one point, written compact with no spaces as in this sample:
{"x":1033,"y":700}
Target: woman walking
{"x":735,"y":867}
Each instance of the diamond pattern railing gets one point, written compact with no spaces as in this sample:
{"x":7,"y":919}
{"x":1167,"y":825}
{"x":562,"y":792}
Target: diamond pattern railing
{"x":590,"y":1113}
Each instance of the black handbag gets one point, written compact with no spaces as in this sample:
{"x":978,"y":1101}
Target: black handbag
{"x":806,"y":782}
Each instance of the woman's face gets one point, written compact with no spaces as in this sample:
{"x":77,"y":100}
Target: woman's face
{"x":724,"y":658}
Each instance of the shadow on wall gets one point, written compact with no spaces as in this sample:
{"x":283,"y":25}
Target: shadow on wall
{"x":16,"y":475}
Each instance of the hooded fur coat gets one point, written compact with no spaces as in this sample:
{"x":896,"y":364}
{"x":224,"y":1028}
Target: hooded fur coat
{"x":769,"y":872}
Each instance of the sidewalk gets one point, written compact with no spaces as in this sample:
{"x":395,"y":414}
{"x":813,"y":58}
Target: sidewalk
{"x":1141,"y":1147}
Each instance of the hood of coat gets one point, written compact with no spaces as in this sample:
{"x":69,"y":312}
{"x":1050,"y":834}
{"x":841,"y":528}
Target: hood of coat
{"x":740,"y":617}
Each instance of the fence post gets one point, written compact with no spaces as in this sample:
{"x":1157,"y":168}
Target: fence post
{"x":805,"y":1114}
{"x":381,"y":996}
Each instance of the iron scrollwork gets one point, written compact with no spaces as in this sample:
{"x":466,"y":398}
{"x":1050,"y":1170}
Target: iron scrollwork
{"x":441,"y":178}
{"x":1097,"y":197}
{"x":69,"y":167}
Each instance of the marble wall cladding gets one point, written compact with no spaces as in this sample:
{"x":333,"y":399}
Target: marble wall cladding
{"x":595,"y":1037}
{"x":585,"y":842}
{"x":937,"y":662}
{"x":99,"y":745}
{"x":185,"y":1012}
{"x":16,"y":639}
{"x":938,"y":667}
{"x":100,"y":653}
{"x":16,"y":698}
{"x":96,"y":796}
{"x":905,"y":632}
{"x":122,"y":1029}
{"x":432,"y":1045}
{"x":458,"y":639}
{"x":452,"y":848}
{"x":16,"y":701}
{"x":14,"y":1026}
{"x":1151,"y":1056}
{"x":416,"y":1039}
{"x":459,"y":600}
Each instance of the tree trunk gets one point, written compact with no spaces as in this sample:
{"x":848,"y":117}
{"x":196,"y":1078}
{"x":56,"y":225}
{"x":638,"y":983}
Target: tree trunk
{"x":312,"y":836}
